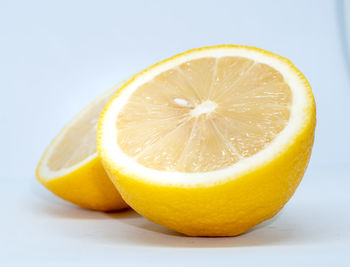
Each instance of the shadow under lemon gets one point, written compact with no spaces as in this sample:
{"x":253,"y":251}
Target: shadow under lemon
{"x":129,"y":228}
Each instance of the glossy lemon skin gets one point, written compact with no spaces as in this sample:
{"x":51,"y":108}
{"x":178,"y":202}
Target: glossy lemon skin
{"x":226,"y":209}
{"x":88,"y":187}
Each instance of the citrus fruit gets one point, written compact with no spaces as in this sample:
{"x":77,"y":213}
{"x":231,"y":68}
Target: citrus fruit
{"x":71,"y":168}
{"x":210,"y":142}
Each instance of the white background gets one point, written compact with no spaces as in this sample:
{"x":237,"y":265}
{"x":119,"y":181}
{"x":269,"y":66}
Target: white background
{"x":57,"y":56}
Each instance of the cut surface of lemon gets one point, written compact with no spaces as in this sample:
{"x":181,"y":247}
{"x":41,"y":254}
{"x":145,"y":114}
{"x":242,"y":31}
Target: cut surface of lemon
{"x":71,"y":167}
{"x":212,"y":141}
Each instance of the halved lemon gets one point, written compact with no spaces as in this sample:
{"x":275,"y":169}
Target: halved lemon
{"x":212,"y":141}
{"x":71,"y":167}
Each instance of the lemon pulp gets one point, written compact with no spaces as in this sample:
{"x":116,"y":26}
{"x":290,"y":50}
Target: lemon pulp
{"x":204,"y":115}
{"x":79,"y":142}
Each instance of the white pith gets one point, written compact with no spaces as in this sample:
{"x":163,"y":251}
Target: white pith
{"x":128,"y":166}
{"x":204,"y":108}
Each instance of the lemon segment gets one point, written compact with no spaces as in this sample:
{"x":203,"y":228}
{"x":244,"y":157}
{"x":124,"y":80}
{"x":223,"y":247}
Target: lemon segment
{"x":212,"y":141}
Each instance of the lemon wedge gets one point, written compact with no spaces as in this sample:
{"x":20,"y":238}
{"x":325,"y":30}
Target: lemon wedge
{"x":71,"y":167}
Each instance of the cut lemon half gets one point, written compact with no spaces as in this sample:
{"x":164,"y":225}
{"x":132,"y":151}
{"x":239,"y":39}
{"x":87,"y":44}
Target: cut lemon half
{"x":210,"y":142}
{"x":71,"y":167}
